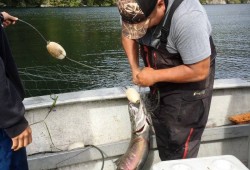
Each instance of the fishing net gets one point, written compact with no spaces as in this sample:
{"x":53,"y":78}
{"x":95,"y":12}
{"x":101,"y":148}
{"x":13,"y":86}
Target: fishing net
{"x":70,"y":77}
{"x":69,"y":74}
{"x":151,"y":100}
{"x":42,"y":80}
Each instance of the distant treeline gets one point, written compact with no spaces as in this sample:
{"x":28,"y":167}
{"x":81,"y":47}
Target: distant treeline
{"x":80,"y":3}
{"x":56,"y":3}
{"x":224,"y":1}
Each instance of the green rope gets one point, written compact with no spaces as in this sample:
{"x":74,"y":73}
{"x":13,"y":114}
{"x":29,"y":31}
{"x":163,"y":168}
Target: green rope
{"x":54,"y":98}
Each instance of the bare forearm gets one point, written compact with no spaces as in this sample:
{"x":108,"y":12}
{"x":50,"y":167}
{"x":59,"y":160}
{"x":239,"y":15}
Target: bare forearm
{"x":131,"y":50}
{"x":179,"y":74}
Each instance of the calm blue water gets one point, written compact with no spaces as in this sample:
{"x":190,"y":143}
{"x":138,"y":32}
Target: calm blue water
{"x":92,"y":36}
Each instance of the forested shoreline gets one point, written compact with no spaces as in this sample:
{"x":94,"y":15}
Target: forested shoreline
{"x":81,"y":3}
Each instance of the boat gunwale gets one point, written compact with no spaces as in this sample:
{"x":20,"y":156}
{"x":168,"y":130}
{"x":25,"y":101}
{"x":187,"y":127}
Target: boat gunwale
{"x":111,"y":94}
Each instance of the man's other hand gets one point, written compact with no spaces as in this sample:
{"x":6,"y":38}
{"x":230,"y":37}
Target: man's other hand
{"x":8,"y":19}
{"x":22,"y":140}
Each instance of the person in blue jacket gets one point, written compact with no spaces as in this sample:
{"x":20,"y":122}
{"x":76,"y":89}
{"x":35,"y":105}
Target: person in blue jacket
{"x":15,"y":133}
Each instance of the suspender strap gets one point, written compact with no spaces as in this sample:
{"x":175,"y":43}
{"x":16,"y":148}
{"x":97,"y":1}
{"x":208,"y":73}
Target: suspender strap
{"x":166,"y":27}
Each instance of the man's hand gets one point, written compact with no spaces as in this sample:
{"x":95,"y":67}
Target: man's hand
{"x":22,"y":140}
{"x":135,"y":72}
{"x":146,"y":77}
{"x":8,"y":19}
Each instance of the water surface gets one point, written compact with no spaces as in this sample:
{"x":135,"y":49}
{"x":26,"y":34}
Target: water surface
{"x":92,"y":36}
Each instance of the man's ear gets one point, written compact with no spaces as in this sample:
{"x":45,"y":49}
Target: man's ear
{"x":161,"y":4}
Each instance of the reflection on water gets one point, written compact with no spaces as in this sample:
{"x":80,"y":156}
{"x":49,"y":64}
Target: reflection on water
{"x":92,"y":36}
{"x":231,"y":29}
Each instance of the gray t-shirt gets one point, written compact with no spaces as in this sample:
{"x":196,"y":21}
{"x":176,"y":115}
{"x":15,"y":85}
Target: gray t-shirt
{"x":189,"y":32}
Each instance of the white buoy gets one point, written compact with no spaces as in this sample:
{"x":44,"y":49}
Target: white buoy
{"x":132,"y":95}
{"x":56,"y":50}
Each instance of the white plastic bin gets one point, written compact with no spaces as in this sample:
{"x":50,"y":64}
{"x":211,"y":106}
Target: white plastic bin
{"x":225,"y":162}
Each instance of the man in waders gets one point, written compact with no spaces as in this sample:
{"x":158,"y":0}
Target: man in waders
{"x":174,"y":39}
{"x":15,"y":132}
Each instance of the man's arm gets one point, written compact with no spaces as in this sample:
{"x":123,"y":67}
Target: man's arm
{"x":131,"y":49}
{"x":12,"y":113}
{"x":179,"y":74}
{"x":191,"y":41}
{"x":11,"y":106}
{"x":148,"y":76}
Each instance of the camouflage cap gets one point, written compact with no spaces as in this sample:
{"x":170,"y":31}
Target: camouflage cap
{"x":134,"y":15}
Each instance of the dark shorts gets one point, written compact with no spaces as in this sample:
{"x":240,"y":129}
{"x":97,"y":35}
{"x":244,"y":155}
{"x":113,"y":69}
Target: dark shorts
{"x":11,"y":160}
{"x":179,"y":122}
